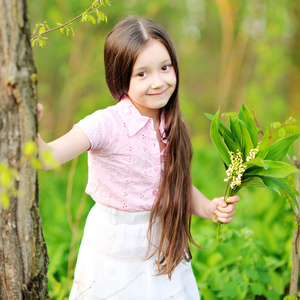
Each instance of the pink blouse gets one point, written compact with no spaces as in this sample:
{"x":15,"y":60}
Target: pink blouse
{"x":124,"y":163}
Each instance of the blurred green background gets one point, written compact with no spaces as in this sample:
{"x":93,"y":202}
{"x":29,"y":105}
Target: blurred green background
{"x":231,"y":52}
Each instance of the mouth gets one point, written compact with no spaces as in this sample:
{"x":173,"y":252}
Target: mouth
{"x":158,"y":94}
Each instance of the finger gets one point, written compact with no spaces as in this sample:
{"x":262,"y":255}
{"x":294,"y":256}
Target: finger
{"x":221,"y":214}
{"x":220,"y":202}
{"x":39,"y":108}
{"x":229,"y":208}
{"x":225,"y":217}
{"x":215,"y":219}
{"x":225,"y":220}
{"x":233,"y":199}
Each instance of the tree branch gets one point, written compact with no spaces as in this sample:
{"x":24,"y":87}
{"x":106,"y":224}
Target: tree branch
{"x":62,"y":26}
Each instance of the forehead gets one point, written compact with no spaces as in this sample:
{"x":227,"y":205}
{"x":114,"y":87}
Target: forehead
{"x":154,"y":52}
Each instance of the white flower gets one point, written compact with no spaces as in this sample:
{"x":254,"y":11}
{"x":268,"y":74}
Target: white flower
{"x":235,"y":170}
{"x":253,"y":153}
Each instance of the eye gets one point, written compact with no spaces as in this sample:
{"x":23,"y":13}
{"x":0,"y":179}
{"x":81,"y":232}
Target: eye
{"x":166,"y":67}
{"x":141,"y":74}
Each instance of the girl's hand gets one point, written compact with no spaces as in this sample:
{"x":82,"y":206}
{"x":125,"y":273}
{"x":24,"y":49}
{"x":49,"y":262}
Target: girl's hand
{"x":222,"y":212}
{"x":39,"y":109}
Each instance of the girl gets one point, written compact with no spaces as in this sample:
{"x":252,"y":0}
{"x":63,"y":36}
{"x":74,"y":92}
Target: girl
{"x":137,"y":235}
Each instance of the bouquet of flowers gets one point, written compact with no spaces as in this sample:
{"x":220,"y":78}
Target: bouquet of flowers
{"x":248,"y":160}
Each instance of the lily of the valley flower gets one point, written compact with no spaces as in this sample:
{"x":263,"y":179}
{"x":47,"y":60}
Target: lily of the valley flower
{"x":236,"y":169}
{"x":253,"y":153}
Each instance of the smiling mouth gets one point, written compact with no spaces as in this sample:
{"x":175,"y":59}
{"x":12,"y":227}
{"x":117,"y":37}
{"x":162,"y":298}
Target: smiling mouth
{"x":158,"y":94}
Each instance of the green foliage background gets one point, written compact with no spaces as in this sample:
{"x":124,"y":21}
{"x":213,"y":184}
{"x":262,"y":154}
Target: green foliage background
{"x":231,"y":52}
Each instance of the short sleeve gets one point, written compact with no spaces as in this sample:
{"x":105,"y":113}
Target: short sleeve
{"x":97,"y":128}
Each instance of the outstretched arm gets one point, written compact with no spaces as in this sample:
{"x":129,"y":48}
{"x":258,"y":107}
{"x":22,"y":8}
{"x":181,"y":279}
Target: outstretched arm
{"x":204,"y":208}
{"x":64,"y":148}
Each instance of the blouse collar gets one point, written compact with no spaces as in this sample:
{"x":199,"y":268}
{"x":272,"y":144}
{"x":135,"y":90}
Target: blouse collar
{"x":134,"y":121}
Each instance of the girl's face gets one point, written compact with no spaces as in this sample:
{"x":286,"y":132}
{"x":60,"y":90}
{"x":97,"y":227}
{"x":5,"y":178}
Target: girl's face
{"x":153,"y":79}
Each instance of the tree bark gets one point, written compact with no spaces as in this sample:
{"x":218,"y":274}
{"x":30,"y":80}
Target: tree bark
{"x":294,"y":104}
{"x":23,"y":254}
{"x":296,"y":236}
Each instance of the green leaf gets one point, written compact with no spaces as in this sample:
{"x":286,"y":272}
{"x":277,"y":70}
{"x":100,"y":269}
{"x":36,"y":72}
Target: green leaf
{"x":257,"y":288}
{"x":270,"y":185}
{"x":279,"y":149}
{"x":42,"y":30}
{"x":236,"y":130}
{"x":36,"y":27}
{"x":277,"y":281}
{"x":264,"y":145}
{"x":229,"y":140}
{"x":281,"y":132}
{"x":209,"y":116}
{"x":292,"y":129}
{"x":290,"y":298}
{"x":222,"y":127}
{"x":277,"y":169}
{"x":247,"y":143}
{"x":229,"y":290}
{"x":218,"y":141}
{"x":84,"y":17}
{"x":102,"y":16}
{"x":93,"y":20}
{"x":30,"y":148}
{"x":71,"y":29}
{"x":254,"y":181}
{"x":41,"y":42}
{"x":46,"y":25}
{"x":258,"y":162}
{"x":250,"y":124}
{"x":5,"y":201}
{"x":273,"y":295}
{"x":264,"y":277}
{"x":276,"y":125}
{"x":252,"y":274}
{"x":282,"y":185}
{"x":36,"y":163}
{"x":243,"y":286}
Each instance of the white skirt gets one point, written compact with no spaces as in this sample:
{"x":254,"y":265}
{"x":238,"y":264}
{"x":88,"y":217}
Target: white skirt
{"x":111,"y":263}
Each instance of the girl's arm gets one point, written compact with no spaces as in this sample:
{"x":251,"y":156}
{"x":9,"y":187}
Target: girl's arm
{"x":64,"y":148}
{"x":204,"y":208}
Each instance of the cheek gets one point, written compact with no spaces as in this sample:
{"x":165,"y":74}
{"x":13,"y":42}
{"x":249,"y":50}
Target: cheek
{"x":132,"y":87}
{"x":139,"y":87}
{"x":173,"y":82}
{"x":172,"y":78}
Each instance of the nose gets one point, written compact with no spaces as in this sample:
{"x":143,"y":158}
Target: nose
{"x":157,"y":82}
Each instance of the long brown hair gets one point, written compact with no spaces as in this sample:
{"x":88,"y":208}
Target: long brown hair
{"x":172,"y":206}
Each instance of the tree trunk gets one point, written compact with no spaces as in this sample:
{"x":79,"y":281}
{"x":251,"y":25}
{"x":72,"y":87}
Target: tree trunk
{"x":23,"y":254}
{"x":294,"y":104}
{"x":296,"y":236}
